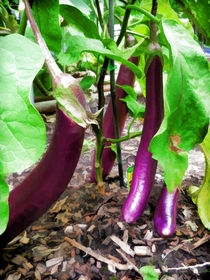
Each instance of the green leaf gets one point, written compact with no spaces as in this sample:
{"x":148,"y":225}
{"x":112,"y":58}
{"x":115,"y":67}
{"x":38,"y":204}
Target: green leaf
{"x":79,"y":23}
{"x":83,"y":6}
{"x":198,"y":13}
{"x":187,"y":104}
{"x":148,"y":273}
{"x":87,"y":82}
{"x":203,"y":201}
{"x":22,"y":129}
{"x":163,"y":9}
{"x":136,"y":109}
{"x":4,"y":207}
{"x":201,"y":196}
{"x":46,"y":14}
{"x":77,"y":44}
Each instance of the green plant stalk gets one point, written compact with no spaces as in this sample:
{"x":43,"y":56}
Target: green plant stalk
{"x":143,"y":11}
{"x":99,"y":15}
{"x":41,"y":87}
{"x":125,"y":23}
{"x":113,"y":95}
{"x":99,"y":150}
{"x":101,"y":101}
{"x":124,"y":138}
{"x":23,"y":23}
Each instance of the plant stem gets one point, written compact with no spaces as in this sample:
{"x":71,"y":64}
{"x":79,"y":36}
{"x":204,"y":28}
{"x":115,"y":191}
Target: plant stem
{"x":133,"y":120}
{"x":153,"y":27}
{"x":124,"y":138}
{"x":23,"y":23}
{"x":125,"y":23}
{"x":100,"y":18}
{"x":113,"y":95}
{"x":143,"y":11}
{"x":53,"y":68}
{"x":41,"y":87}
{"x":99,"y":150}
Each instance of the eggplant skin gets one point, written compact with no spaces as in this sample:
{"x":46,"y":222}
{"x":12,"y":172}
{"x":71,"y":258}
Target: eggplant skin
{"x":165,"y":212}
{"x":29,"y":200}
{"x":125,"y":77}
{"x":145,"y":165}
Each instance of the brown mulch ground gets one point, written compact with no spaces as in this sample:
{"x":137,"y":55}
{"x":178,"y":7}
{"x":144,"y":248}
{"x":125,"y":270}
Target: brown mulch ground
{"x":83,"y":237}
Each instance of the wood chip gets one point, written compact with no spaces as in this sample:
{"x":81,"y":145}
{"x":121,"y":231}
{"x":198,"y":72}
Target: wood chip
{"x":97,"y":256}
{"x":142,"y":251}
{"x":54,"y":261}
{"x":123,"y":245}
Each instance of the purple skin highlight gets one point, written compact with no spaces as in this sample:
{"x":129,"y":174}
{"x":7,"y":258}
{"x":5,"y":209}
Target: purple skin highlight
{"x":165,"y":212}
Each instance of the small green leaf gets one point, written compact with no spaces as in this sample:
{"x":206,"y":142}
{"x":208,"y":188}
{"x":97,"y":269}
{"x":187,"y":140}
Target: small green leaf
{"x":79,"y":23}
{"x":46,"y":14}
{"x":77,"y":44}
{"x":136,"y":109}
{"x":4,"y":207}
{"x":87,"y":82}
{"x":187,"y":104}
{"x":148,"y":273}
{"x":22,"y":130}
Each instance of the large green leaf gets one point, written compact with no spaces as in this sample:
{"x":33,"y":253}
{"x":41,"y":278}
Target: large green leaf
{"x":78,"y":44}
{"x":46,"y":14}
{"x":22,"y":129}
{"x":79,"y":23}
{"x":198,"y":13}
{"x":4,"y":207}
{"x":163,"y":9}
{"x":187,"y":104}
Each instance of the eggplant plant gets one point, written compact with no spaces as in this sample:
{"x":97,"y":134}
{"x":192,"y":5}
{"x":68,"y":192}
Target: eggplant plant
{"x":174,"y":80}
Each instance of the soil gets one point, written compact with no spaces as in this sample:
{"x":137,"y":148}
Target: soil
{"x":83,"y":230}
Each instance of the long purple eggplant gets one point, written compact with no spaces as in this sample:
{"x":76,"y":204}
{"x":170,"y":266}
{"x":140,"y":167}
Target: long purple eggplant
{"x":125,"y":77}
{"x":29,"y":200}
{"x":145,"y":165}
{"x":165,"y":212}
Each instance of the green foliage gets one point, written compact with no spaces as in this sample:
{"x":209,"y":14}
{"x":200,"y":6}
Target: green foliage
{"x":201,"y":196}
{"x":187,"y":104}
{"x":198,"y":13}
{"x":136,"y":109}
{"x":22,"y":129}
{"x":4,"y":208}
{"x":79,"y":23}
{"x":87,"y":82}
{"x":46,"y":14}
{"x":77,"y":44}
{"x":148,"y":273}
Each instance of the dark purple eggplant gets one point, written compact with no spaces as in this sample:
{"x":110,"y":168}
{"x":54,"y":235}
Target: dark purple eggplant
{"x":165,"y":212}
{"x":29,"y":200}
{"x":145,"y":165}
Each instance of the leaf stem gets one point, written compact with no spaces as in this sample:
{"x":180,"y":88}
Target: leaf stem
{"x":143,"y":11}
{"x":124,"y":138}
{"x":53,"y":68}
{"x":125,"y":23}
{"x":100,"y":18}
{"x":23,"y":23}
